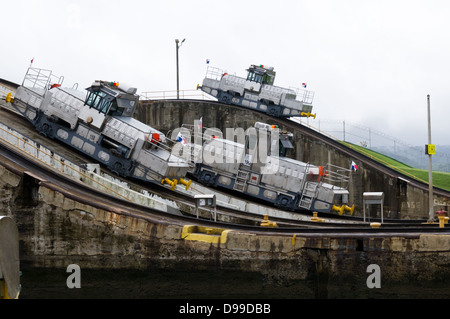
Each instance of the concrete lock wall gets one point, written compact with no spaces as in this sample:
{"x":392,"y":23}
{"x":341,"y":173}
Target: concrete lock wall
{"x":402,"y":200}
{"x":55,"y":230}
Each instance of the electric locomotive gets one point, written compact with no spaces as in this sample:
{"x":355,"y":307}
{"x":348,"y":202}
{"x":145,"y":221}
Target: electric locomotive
{"x":98,"y":123}
{"x":258,"y":92}
{"x":257,"y":166}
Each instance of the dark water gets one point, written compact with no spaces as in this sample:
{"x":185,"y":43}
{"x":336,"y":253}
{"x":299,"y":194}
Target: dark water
{"x":180,"y":284}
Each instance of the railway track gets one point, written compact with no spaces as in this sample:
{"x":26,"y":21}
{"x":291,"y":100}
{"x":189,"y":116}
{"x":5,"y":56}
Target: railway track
{"x":77,"y":191}
{"x":297,"y":127}
{"x":20,"y":124}
{"x":20,"y":164}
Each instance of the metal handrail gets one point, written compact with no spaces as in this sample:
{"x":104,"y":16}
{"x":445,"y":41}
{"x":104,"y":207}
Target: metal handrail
{"x":214,"y":73}
{"x":169,"y":95}
{"x":63,"y":164}
{"x":5,"y":90}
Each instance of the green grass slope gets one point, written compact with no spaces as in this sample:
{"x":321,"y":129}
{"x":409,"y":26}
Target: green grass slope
{"x":440,"y":179}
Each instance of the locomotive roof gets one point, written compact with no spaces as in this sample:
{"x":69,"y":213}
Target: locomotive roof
{"x":261,"y":69}
{"x":114,"y":88}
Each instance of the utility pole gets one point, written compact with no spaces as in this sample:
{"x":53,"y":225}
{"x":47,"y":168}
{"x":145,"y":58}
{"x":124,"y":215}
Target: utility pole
{"x":430,"y":150}
{"x":178,"y":45}
{"x":343,"y":130}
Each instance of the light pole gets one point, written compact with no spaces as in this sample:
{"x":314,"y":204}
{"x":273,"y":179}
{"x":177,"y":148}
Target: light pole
{"x":430,"y":151}
{"x":178,"y":45}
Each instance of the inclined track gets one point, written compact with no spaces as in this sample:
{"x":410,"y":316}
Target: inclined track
{"x":297,"y":127}
{"x":82,"y":193}
{"x":20,"y":164}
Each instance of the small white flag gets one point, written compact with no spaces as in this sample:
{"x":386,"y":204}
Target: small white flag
{"x":181,"y":138}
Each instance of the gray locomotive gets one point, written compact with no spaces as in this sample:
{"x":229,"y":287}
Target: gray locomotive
{"x":257,"y":92}
{"x":98,"y":123}
{"x":256,"y":166}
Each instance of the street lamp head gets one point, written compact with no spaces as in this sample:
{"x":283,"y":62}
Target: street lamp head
{"x":178,"y":42}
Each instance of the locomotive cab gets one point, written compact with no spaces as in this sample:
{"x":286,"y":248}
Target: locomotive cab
{"x":107,"y":99}
{"x":285,"y":146}
{"x":281,"y":143}
{"x":259,"y":75}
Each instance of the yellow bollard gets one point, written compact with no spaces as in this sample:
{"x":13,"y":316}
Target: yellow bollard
{"x":339,"y":209}
{"x":442,"y":218}
{"x":315,"y":218}
{"x":343,"y":208}
{"x":267,"y":223}
{"x":350,"y":209}
{"x":172,"y":183}
{"x":9,"y":98}
{"x":308,"y":114}
{"x":441,"y":221}
{"x":185,"y":183}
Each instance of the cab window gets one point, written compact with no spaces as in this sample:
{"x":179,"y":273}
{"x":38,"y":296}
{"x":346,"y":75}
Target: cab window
{"x":99,"y":100}
{"x":268,"y":79}
{"x":255,"y":77}
{"x":115,"y":110}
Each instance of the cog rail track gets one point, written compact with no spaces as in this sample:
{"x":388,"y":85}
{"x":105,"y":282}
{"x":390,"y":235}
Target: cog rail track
{"x":47,"y":177}
{"x":254,"y":219}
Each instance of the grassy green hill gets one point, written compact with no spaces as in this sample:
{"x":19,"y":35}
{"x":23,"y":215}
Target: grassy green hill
{"x":440,"y":179}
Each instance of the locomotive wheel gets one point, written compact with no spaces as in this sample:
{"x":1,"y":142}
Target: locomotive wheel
{"x":46,"y":130}
{"x":234,"y":93}
{"x":273,"y":111}
{"x":284,"y":202}
{"x":224,"y":98}
{"x":208,"y":178}
{"x":117,"y":168}
{"x":120,"y":169}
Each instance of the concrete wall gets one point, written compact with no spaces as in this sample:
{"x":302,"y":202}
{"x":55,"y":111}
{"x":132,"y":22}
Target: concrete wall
{"x":126,"y":256}
{"x":402,"y":200}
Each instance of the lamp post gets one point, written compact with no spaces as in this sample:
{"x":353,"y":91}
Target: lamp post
{"x":178,"y":45}
{"x":430,"y":151}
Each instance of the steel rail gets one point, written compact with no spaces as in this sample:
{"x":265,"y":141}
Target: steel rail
{"x":245,"y":217}
{"x":298,"y":127}
{"x":70,"y":188}
{"x":287,"y":225}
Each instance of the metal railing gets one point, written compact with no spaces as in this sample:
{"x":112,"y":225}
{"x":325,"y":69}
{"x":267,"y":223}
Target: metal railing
{"x":5,"y":90}
{"x":214,"y":73}
{"x":336,"y":174}
{"x":172,"y":95}
{"x":40,"y":79}
{"x":38,"y":154}
{"x":303,"y":95}
{"x":362,"y":151}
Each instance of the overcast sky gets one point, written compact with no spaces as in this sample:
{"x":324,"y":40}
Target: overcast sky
{"x":368,"y":62}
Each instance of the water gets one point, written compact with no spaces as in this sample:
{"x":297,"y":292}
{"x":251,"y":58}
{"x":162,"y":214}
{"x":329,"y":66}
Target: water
{"x":38,"y":283}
